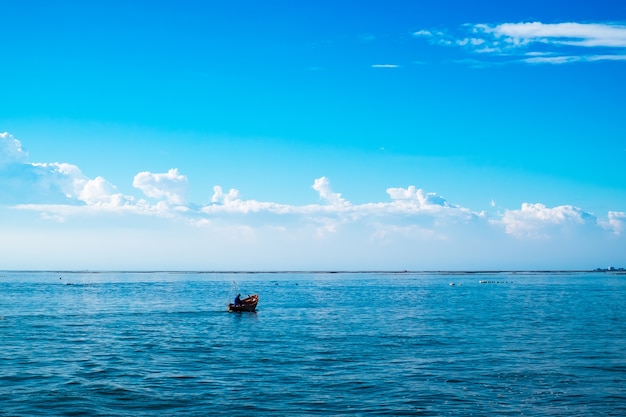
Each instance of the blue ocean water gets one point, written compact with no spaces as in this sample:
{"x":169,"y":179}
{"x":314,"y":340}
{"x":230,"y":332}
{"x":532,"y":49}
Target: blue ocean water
{"x":327,"y":344}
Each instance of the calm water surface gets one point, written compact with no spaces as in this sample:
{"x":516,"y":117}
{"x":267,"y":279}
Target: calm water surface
{"x":145,"y":344}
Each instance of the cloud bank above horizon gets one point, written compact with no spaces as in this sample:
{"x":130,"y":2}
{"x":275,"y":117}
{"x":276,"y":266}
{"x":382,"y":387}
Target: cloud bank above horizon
{"x":60,"y":192}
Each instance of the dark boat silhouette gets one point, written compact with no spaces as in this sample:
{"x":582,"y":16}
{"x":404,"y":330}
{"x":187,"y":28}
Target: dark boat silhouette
{"x":247,"y":304}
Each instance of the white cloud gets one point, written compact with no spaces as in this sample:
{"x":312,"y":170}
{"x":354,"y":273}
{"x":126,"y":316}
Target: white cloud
{"x":536,"y":220}
{"x":385,"y":66}
{"x":11,"y":150}
{"x":416,"y":202}
{"x":576,"y":34}
{"x":67,"y":178}
{"x":411,"y":215}
{"x":322,"y":186}
{"x":423,"y":32}
{"x":616,"y":222}
{"x":54,"y":182}
{"x":557,"y":43}
{"x":232,"y":203}
{"x":410,"y":212}
{"x":70,"y":180}
{"x":171,"y":185}
{"x":102,"y":193}
{"x":227,"y":199}
{"x":50,"y":184}
{"x":414,"y":196}
{"x":556,"y":60}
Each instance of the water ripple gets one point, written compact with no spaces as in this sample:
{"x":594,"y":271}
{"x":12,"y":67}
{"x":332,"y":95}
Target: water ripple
{"x":163,"y":344}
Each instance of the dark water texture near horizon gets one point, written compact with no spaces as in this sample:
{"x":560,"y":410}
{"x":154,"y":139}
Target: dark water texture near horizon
{"x":320,"y":344}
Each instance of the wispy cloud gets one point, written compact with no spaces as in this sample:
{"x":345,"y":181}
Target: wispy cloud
{"x":385,"y":66}
{"x":576,"y":34}
{"x":537,"y":42}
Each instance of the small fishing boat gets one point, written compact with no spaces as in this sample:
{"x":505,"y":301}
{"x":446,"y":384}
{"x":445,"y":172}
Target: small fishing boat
{"x":247,"y":304}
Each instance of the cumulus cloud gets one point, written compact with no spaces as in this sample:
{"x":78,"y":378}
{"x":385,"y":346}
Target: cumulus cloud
{"x":537,"y":42}
{"x":409,"y":211}
{"x":410,"y":223}
{"x":414,"y":196}
{"x":535,"y":220}
{"x":220,"y":197}
{"x":69,"y":180}
{"x":11,"y":150}
{"x":59,"y":191}
{"x":171,"y":185}
{"x":100,"y":192}
{"x":332,"y":213}
{"x":322,"y":186}
{"x":414,"y":201}
{"x":232,"y":203}
{"x":616,"y":222}
{"x":38,"y":184}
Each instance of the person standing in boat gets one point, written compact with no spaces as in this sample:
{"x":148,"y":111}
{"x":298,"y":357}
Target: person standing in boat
{"x":238,"y":300}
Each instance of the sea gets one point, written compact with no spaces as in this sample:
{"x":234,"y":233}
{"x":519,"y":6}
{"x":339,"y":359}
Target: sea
{"x":80,"y":343}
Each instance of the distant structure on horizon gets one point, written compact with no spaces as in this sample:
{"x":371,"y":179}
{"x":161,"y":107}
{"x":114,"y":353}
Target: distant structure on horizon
{"x":609,"y":269}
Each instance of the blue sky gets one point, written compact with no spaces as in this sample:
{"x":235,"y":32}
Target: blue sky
{"x":284,"y":135}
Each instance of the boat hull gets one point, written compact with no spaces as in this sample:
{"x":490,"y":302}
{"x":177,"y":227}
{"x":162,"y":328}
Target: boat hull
{"x":247,"y":304}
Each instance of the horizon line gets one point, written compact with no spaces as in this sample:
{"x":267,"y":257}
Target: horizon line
{"x":321,"y":271}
